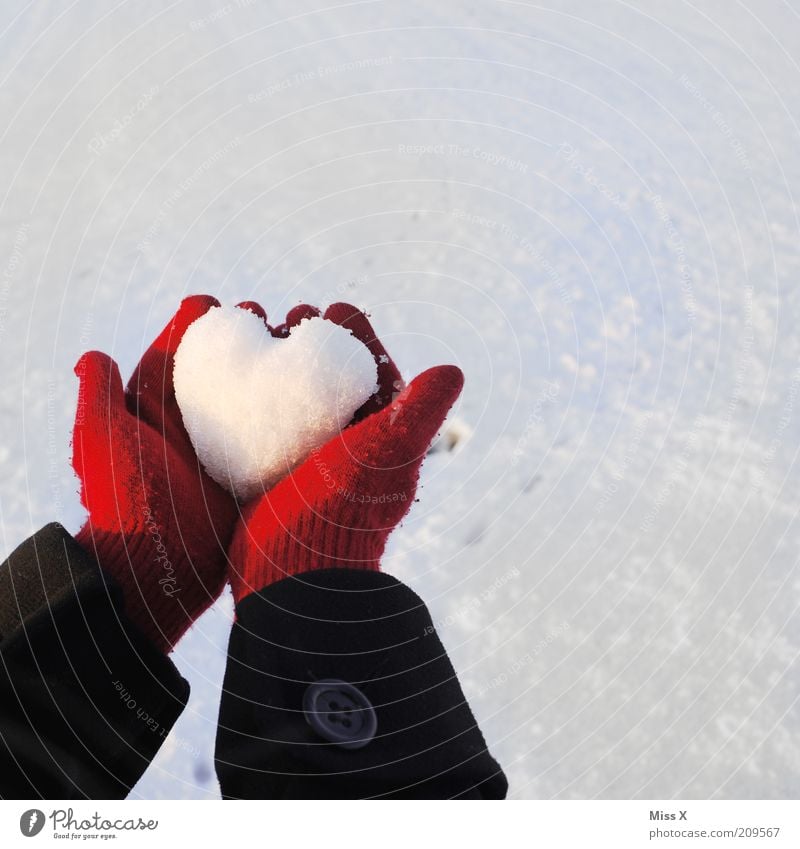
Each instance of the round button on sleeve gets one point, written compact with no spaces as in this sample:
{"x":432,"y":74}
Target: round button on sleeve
{"x":340,"y":713}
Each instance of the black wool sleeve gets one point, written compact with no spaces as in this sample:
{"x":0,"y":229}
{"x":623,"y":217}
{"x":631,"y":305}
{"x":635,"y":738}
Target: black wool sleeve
{"x":338,"y":686}
{"x":85,"y":700}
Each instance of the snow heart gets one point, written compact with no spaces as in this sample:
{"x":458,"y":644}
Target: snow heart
{"x":255,"y":406}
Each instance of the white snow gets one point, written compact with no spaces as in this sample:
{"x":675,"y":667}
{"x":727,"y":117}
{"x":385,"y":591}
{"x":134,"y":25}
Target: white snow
{"x":256,"y":406}
{"x":612,"y":553}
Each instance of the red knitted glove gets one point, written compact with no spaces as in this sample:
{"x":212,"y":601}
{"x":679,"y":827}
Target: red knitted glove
{"x":338,"y":508}
{"x":157,"y":523}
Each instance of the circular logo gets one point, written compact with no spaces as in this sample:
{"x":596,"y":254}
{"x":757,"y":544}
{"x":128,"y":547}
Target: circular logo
{"x":31,"y":822}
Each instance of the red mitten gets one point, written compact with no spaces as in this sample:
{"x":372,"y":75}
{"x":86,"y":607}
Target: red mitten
{"x":157,"y":523}
{"x":338,"y":508}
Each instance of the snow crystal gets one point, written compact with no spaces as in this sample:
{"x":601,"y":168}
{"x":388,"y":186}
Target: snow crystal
{"x":255,"y":406}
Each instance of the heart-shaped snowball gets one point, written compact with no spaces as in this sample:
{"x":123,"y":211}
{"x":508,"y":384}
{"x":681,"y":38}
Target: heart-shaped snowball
{"x":255,"y":406}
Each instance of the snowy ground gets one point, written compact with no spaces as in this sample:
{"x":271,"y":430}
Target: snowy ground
{"x":588,"y":206}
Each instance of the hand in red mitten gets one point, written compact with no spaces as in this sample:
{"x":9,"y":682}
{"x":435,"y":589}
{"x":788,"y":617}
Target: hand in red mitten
{"x":338,"y":508}
{"x":157,"y":523}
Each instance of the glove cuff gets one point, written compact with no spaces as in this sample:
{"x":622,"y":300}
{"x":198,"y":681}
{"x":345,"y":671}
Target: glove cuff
{"x":313,"y":544}
{"x":154,"y":598}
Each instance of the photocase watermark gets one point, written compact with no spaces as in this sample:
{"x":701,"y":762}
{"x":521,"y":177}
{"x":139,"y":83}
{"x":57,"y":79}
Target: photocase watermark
{"x":719,"y":121}
{"x":186,"y":746}
{"x":488,"y":156}
{"x":100,"y":141}
{"x":522,"y":242}
{"x":218,"y":14}
{"x":676,"y":245}
{"x":332,"y":483}
{"x":464,"y":152}
{"x":787,"y":412}
{"x":547,"y":396}
{"x":32,"y":822}
{"x":680,"y":466}
{"x":130,"y":702}
{"x":482,"y":221}
{"x":325,"y":472}
{"x":183,"y":187}
{"x":525,"y":660}
{"x":211,"y":17}
{"x":67,"y":826}
{"x":12,"y":266}
{"x":81,"y":406}
{"x":80,"y":370}
{"x":168,"y":583}
{"x":573,"y":158}
{"x":364,"y":498}
{"x":546,"y":266}
{"x":53,"y":460}
{"x":344,"y":289}
{"x":630,"y":455}
{"x":473,"y":604}
{"x":743,"y":360}
{"x":127,"y":698}
{"x":315,"y":74}
{"x":86,"y":331}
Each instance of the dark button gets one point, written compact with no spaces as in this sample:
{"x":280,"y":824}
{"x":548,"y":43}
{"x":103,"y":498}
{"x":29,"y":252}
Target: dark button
{"x":340,"y":713}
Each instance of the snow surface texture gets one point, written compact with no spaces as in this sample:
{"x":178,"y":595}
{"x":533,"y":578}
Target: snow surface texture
{"x":589,"y":206}
{"x":255,"y":406}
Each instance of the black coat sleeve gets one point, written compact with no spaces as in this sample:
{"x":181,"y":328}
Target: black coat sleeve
{"x":327,"y":632}
{"x":85,"y":700}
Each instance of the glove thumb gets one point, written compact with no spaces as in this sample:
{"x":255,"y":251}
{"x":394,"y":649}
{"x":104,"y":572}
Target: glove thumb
{"x":101,"y":402}
{"x":402,"y":432}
